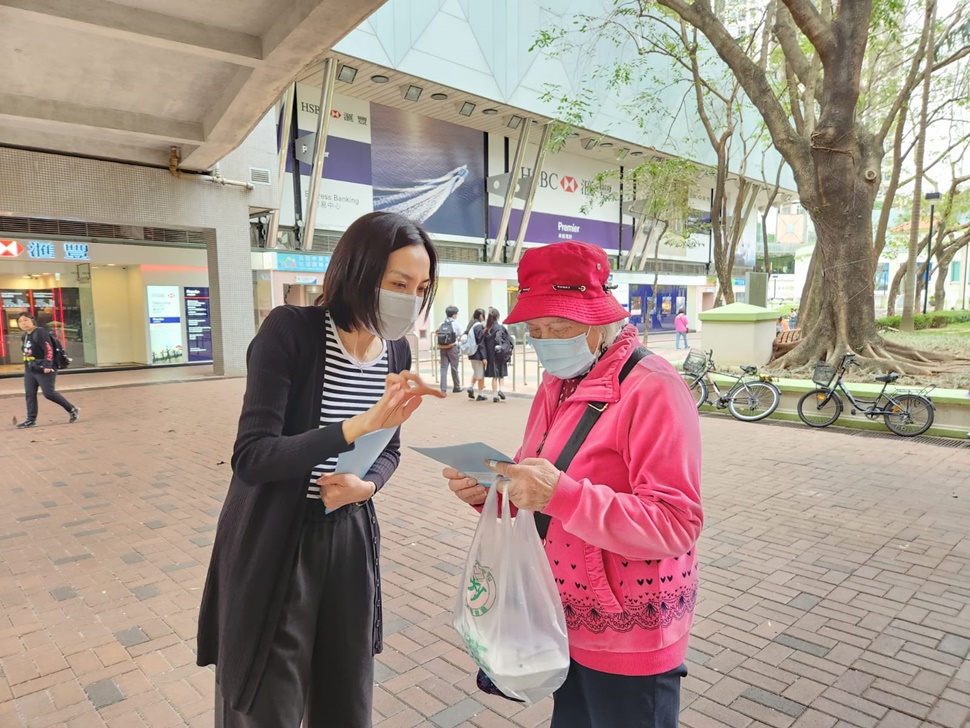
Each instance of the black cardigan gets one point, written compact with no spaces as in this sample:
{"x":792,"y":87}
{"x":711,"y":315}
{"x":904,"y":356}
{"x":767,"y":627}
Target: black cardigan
{"x":278,"y":444}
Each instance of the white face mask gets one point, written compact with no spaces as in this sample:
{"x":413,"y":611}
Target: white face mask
{"x":397,"y":313}
{"x":565,"y":358}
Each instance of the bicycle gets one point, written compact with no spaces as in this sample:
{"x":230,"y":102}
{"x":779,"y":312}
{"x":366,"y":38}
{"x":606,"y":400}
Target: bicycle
{"x":905,"y":413}
{"x":748,"y":400}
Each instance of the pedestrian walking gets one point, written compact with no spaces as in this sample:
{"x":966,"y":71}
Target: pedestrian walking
{"x":291,"y":612}
{"x":40,"y":370}
{"x":448,"y":336}
{"x":611,"y":467}
{"x":681,"y":327}
{"x":498,"y":352}
{"x":473,"y":347}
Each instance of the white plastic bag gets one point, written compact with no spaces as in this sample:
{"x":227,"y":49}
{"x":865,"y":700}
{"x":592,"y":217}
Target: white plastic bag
{"x":508,"y":610}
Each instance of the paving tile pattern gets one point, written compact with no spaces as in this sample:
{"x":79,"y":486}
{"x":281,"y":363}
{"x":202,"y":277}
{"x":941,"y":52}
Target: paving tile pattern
{"x":835,"y":571}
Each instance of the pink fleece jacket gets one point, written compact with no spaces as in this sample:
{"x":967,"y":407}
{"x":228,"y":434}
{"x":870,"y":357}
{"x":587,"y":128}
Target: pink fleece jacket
{"x":626,"y":514}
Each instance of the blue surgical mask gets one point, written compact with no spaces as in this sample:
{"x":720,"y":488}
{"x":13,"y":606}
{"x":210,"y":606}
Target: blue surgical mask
{"x":565,"y":358}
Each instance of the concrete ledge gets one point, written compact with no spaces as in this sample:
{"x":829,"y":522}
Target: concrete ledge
{"x":952,"y":416}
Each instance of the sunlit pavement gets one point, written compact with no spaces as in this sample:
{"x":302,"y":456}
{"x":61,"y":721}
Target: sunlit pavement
{"x":835,"y":581}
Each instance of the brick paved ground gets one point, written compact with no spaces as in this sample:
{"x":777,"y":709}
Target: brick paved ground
{"x":836,"y":579}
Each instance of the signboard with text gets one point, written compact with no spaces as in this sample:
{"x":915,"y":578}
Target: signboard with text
{"x":302,"y":262}
{"x":198,"y":323}
{"x":165,"y":324}
{"x":45,"y":250}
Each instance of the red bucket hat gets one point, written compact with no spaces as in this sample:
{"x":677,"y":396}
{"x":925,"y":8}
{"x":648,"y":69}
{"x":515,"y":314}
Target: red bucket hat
{"x":567,"y":280}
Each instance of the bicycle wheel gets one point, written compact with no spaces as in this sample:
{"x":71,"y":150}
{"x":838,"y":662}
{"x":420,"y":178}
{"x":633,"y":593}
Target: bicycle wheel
{"x":754,"y":401}
{"x":698,"y":387}
{"x":912,"y":415}
{"x":819,"y":409}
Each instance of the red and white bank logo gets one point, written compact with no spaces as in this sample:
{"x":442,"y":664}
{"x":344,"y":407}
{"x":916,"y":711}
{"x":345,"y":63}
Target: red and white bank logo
{"x":334,"y":114}
{"x":569,"y":184}
{"x":10,"y":248}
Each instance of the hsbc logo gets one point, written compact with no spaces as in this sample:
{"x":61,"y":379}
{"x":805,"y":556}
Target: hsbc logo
{"x":10,"y":248}
{"x":566,"y":183}
{"x":334,"y":114}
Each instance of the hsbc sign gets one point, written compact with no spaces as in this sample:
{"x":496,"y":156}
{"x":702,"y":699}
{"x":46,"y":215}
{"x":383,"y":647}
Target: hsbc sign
{"x":10,"y":248}
{"x":566,"y":183}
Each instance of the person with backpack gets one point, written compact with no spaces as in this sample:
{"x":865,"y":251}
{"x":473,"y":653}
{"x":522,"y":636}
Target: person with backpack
{"x":471,"y":346}
{"x":43,"y":356}
{"x":498,"y":353}
{"x":610,"y":466}
{"x":448,"y":335}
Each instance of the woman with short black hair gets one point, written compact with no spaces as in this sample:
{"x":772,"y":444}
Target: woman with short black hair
{"x":291,"y":613}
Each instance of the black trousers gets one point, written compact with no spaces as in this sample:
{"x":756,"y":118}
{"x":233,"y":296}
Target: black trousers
{"x":32,"y":380}
{"x":592,"y":699}
{"x":320,"y":667}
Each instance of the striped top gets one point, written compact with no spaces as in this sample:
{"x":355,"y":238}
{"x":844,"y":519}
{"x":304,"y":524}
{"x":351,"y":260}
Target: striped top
{"x":349,"y":388}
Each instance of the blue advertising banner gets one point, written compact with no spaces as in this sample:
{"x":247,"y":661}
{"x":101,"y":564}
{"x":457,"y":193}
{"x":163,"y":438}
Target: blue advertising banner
{"x":198,"y":323}
{"x":302,"y":262}
{"x":428,"y":170}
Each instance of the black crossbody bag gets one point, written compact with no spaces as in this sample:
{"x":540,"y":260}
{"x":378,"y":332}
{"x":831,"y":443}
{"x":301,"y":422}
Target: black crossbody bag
{"x":583,"y":428}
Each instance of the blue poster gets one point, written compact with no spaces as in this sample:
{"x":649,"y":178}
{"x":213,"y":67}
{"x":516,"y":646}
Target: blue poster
{"x":198,"y":323}
{"x":428,"y":170}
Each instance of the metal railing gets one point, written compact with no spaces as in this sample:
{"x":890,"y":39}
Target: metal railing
{"x":427,"y":355}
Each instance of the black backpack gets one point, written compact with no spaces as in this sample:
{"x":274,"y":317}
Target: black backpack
{"x":60,"y":358}
{"x":446,"y":334}
{"x":503,"y":346}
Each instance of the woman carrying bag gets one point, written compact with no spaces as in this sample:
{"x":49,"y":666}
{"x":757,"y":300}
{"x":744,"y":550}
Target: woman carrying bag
{"x":291,"y":613}
{"x":610,"y":465}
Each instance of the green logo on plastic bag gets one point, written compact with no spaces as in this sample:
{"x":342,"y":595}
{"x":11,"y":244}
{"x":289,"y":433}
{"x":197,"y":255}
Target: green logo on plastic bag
{"x":480,"y":594}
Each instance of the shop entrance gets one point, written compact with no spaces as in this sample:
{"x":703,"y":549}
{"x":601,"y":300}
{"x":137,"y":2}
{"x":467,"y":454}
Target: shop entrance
{"x":57,"y":309}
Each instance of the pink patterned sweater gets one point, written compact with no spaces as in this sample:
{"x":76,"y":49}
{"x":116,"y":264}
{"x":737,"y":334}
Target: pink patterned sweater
{"x":627,"y":513}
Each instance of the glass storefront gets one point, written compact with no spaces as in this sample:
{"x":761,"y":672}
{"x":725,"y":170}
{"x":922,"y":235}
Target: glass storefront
{"x":110,"y":305}
{"x":655,"y":308}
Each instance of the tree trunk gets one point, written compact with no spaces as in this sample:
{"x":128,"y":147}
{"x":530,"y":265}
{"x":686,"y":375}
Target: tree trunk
{"x":942,"y":268}
{"x":910,"y":304}
{"x":893,"y":292}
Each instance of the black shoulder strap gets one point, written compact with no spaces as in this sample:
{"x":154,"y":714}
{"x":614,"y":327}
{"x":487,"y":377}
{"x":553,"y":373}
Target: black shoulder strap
{"x":583,"y":428}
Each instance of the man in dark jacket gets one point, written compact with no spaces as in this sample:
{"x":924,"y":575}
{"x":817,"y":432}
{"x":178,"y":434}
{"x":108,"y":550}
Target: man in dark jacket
{"x":39,"y":370}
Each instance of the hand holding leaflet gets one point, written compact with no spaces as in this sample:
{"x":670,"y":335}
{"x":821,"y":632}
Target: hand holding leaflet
{"x":366,"y":450}
{"x":468,"y":459}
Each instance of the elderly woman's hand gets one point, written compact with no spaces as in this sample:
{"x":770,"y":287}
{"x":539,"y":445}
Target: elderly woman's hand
{"x":531,"y":482}
{"x":465,"y":488}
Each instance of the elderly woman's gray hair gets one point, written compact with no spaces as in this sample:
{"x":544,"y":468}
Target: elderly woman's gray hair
{"x":608,"y":333}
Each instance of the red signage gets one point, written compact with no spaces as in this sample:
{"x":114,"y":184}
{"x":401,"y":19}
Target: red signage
{"x":10,"y":248}
{"x":569,"y":184}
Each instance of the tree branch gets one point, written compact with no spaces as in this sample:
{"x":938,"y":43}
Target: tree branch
{"x":788,"y":40}
{"x":814,"y":26}
{"x":796,"y":150}
{"x":913,"y":78}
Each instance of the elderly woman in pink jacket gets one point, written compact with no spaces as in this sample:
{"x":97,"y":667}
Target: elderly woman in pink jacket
{"x":620,"y":515}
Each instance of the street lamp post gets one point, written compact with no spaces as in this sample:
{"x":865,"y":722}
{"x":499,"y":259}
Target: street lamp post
{"x":932,"y":197}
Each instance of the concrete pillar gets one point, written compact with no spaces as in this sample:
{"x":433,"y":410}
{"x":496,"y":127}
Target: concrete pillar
{"x":499,"y":296}
{"x":459,"y":298}
{"x":230,"y":296}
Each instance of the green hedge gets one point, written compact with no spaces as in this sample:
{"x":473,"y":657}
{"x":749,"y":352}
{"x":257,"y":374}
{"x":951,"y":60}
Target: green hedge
{"x":933,"y":320}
